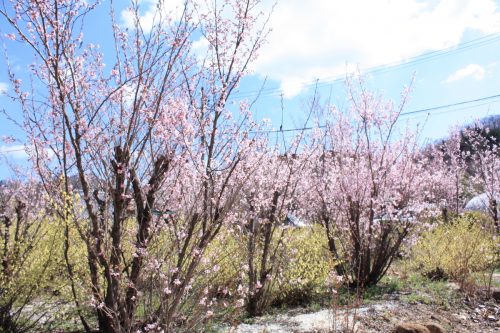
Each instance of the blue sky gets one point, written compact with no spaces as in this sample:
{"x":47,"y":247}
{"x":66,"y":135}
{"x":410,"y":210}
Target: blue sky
{"x":452,"y":47}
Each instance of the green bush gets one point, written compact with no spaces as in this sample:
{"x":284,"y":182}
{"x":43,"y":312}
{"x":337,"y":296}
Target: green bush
{"x":456,"y":250}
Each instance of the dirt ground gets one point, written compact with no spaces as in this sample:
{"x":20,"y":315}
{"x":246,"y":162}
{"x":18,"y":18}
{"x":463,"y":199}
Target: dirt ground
{"x":473,"y":315}
{"x":465,"y":314}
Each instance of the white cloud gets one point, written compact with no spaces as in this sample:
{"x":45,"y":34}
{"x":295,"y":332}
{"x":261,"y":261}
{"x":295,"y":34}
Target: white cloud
{"x":14,"y":151}
{"x":316,"y":38}
{"x":200,"y":48}
{"x":474,"y":71}
{"x":4,"y":87}
{"x":20,"y":151}
{"x":148,"y":13}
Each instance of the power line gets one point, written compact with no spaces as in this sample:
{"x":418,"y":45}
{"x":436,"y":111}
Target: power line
{"x":396,"y":65}
{"x":11,"y":150}
{"x":489,"y":103}
{"x":429,"y":110}
{"x":453,"y":104}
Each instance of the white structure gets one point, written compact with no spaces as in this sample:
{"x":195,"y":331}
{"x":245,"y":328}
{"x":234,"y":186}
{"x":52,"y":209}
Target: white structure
{"x":481,"y":203}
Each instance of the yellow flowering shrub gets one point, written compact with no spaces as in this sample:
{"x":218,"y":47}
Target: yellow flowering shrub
{"x":305,"y":267}
{"x":456,"y":249}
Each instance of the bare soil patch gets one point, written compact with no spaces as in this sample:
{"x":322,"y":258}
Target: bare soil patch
{"x":464,"y":314}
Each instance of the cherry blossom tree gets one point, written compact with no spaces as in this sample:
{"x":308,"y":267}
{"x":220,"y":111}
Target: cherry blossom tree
{"x":367,"y":184}
{"x":266,"y":209}
{"x":448,"y":169}
{"x":149,"y":143}
{"x":463,"y":166}
{"x":481,"y":157}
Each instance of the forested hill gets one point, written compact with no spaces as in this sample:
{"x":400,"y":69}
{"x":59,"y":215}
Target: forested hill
{"x":488,"y":127}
